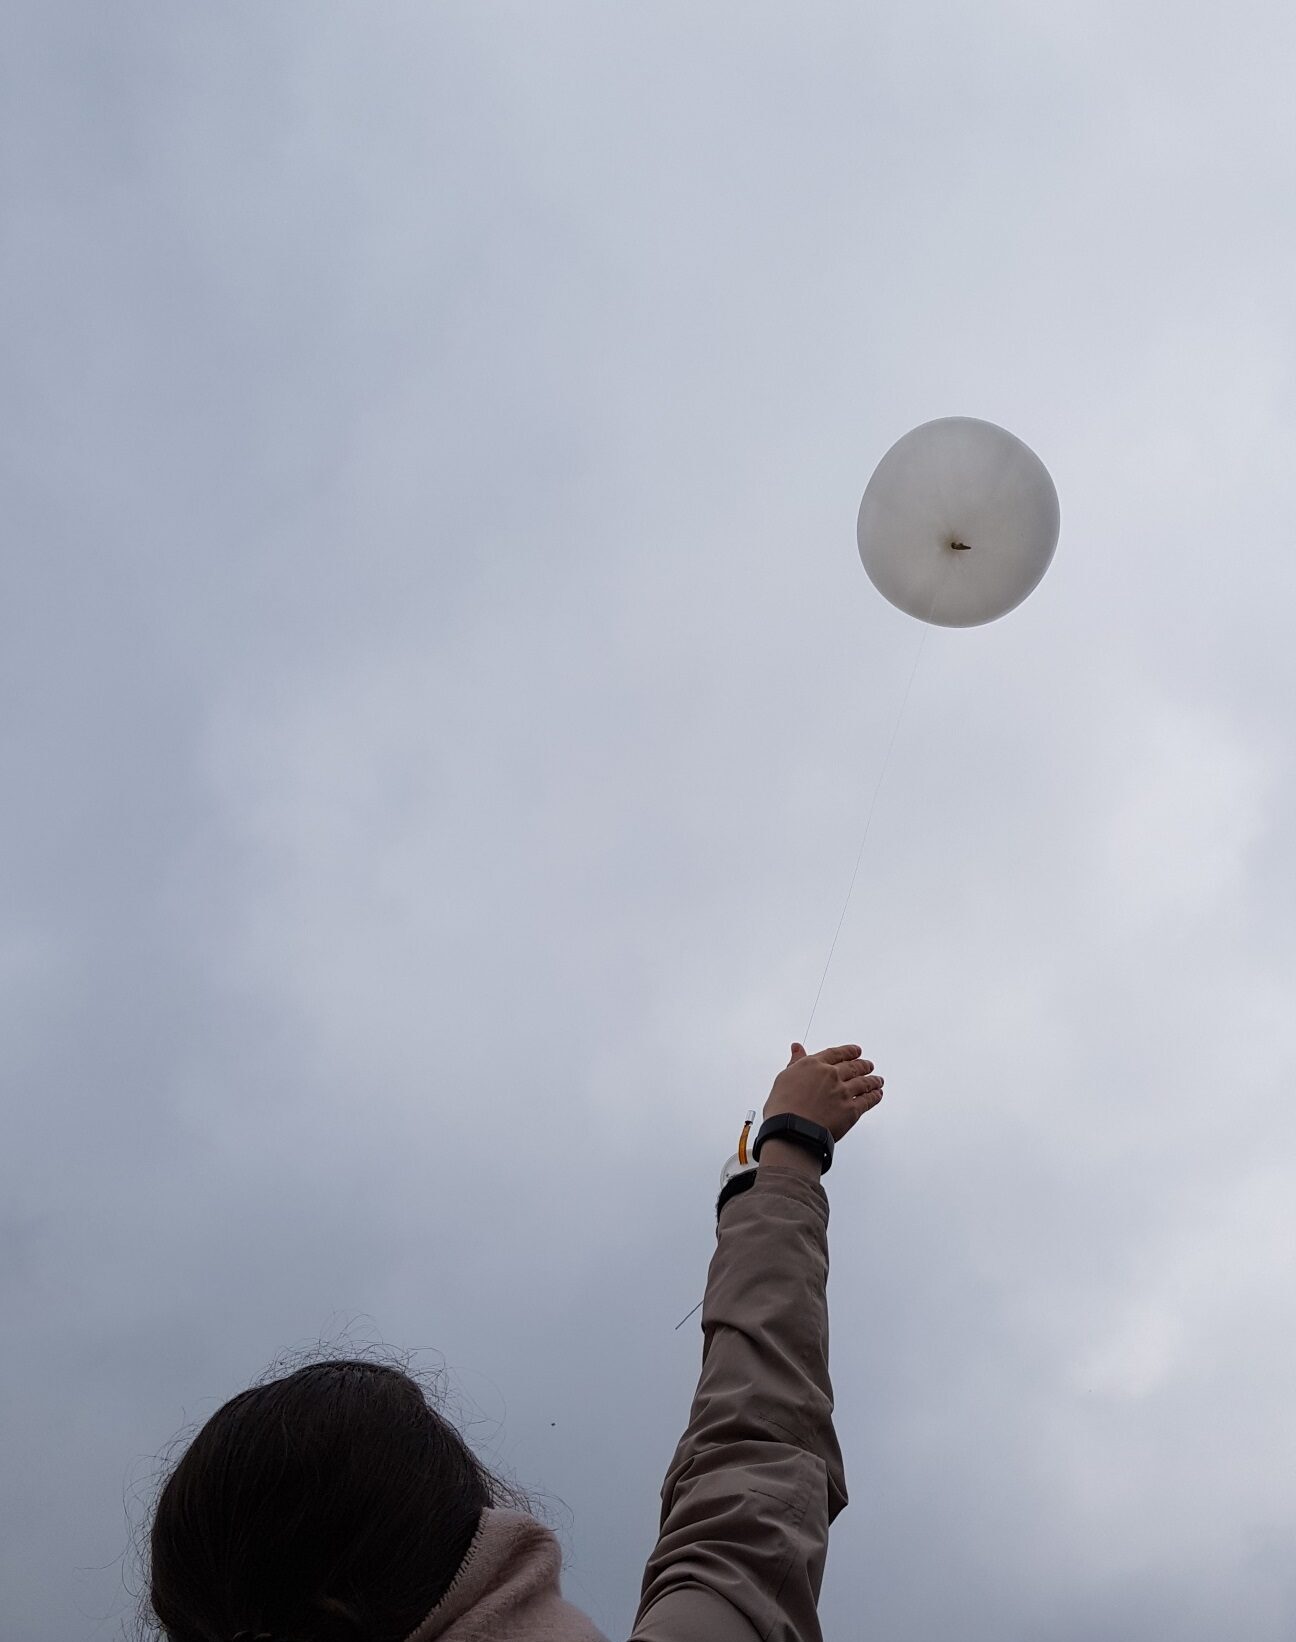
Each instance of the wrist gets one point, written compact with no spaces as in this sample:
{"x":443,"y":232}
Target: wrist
{"x":786,"y":1154}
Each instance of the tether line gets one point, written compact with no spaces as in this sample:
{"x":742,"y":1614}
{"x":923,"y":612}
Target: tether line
{"x":877,"y":788}
{"x":868,"y":822}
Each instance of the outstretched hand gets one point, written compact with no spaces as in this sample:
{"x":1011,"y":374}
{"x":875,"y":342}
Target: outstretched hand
{"x":833,"y":1088}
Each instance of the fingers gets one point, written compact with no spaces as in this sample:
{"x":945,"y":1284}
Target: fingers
{"x":864,"y":1093}
{"x":844,"y":1052}
{"x":866,"y":1103}
{"x":846,"y":1060}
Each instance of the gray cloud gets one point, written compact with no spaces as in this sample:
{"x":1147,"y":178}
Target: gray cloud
{"x":439,"y":697}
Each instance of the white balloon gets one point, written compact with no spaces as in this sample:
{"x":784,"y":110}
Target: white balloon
{"x":959,"y":522}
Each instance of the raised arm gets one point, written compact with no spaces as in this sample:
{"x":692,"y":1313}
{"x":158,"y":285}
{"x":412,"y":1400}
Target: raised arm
{"x":757,"y":1477}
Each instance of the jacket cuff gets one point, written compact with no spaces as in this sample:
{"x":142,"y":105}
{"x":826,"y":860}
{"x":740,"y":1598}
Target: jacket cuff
{"x":786,"y":1182}
{"x":735,"y":1186}
{"x":792,"y":1183}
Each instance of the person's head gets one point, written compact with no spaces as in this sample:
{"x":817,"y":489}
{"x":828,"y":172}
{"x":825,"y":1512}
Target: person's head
{"x":330,"y":1505}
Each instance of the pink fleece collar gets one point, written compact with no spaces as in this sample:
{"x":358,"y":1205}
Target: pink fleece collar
{"x":507,"y":1589}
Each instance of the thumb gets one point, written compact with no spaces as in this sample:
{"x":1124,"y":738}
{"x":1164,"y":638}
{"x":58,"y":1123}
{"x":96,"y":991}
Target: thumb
{"x":798,"y":1052}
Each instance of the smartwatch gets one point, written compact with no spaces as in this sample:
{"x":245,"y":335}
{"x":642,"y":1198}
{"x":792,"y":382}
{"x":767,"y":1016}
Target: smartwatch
{"x":788,"y":1126}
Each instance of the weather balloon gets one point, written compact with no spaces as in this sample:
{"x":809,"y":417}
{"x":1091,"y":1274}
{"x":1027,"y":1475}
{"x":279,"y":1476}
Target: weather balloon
{"x":958,"y":523}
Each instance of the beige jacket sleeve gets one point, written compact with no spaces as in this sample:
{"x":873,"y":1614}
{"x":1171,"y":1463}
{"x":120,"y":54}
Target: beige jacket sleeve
{"x":757,"y":1476}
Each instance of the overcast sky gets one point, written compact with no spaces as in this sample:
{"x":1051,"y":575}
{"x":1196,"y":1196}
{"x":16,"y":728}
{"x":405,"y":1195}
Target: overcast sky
{"x":439,"y":699}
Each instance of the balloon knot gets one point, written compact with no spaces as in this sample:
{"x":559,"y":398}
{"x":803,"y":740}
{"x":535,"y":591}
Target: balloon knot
{"x":961,"y":547}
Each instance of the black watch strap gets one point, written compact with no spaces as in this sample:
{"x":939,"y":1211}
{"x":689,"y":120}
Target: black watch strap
{"x":788,"y":1126}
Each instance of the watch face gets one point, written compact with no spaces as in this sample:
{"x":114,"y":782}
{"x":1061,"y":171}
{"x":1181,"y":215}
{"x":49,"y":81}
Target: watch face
{"x":734,"y":1167}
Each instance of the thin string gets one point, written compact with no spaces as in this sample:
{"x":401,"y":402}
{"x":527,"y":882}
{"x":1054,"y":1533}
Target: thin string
{"x":877,"y":788}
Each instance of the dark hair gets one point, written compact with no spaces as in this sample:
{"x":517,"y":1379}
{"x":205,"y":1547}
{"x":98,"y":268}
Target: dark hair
{"x":333,"y":1504}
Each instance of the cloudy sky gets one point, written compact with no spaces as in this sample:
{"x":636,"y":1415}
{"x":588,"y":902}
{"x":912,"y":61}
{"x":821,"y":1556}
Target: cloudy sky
{"x":439,"y":698}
